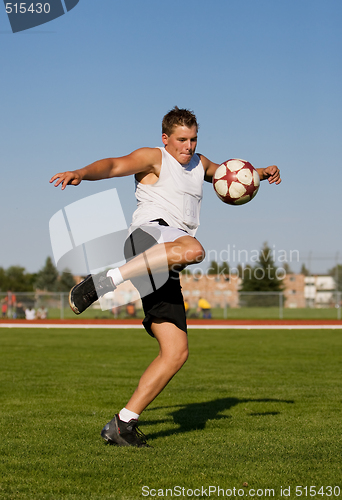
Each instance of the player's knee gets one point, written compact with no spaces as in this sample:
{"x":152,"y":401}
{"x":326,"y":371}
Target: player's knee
{"x":195,"y":253}
{"x":200,"y":255}
{"x":181,"y":360}
{"x":186,"y":252}
{"x":184,"y":356}
{"x":178,"y":358}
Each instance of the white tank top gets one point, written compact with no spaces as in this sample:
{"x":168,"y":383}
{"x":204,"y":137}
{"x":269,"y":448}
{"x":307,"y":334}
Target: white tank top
{"x":175,"y":197}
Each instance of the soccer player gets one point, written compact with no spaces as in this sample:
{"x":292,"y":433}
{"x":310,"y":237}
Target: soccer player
{"x":169,"y":183}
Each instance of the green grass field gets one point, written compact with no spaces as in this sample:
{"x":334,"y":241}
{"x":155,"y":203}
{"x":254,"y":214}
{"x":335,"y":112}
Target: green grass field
{"x":261,"y":407}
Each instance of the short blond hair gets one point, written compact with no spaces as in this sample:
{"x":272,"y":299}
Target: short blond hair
{"x":178,"y":116}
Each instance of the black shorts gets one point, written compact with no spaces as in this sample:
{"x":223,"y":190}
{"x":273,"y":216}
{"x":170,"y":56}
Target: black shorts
{"x":166,"y":302}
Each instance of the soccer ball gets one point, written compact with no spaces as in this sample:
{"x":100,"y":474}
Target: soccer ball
{"x":236,"y":182}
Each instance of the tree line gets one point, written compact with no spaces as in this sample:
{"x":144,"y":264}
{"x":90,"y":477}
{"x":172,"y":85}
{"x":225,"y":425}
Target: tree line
{"x":17,"y":279}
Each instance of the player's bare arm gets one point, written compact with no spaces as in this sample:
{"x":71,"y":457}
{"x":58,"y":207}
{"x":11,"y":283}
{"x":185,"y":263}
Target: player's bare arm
{"x":143,"y":163}
{"x":209,"y":168}
{"x":271,"y":173}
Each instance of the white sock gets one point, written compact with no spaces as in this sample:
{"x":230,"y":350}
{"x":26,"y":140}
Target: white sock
{"x":127,"y":415}
{"x":116,"y":276}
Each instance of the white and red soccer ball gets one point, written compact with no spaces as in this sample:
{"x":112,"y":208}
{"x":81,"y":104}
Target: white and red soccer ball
{"x":236,"y":182}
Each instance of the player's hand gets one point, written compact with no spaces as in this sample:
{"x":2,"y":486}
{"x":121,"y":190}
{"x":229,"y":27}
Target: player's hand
{"x":272,"y":174}
{"x":65,"y":178}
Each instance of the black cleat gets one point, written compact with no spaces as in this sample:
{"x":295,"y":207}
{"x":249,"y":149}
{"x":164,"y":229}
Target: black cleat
{"x":123,"y":433}
{"x":89,"y":290}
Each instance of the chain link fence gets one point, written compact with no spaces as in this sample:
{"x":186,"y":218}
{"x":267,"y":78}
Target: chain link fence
{"x":247,"y":305}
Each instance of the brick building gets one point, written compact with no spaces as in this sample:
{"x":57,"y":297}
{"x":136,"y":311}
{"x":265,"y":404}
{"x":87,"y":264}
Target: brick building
{"x":218,"y":289}
{"x":294,"y":290}
{"x":299,"y":291}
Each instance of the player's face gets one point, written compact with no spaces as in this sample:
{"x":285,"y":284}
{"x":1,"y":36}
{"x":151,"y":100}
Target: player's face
{"x":181,"y":144}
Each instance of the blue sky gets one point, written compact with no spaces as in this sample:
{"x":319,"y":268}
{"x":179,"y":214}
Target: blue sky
{"x":263,"y":77}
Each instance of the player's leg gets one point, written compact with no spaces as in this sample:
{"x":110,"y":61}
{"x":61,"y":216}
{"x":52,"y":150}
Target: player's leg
{"x":183,"y":251}
{"x":173,"y":353}
{"x":177,"y":254}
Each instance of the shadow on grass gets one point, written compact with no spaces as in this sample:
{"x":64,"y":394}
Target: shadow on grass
{"x":194,"y":416}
